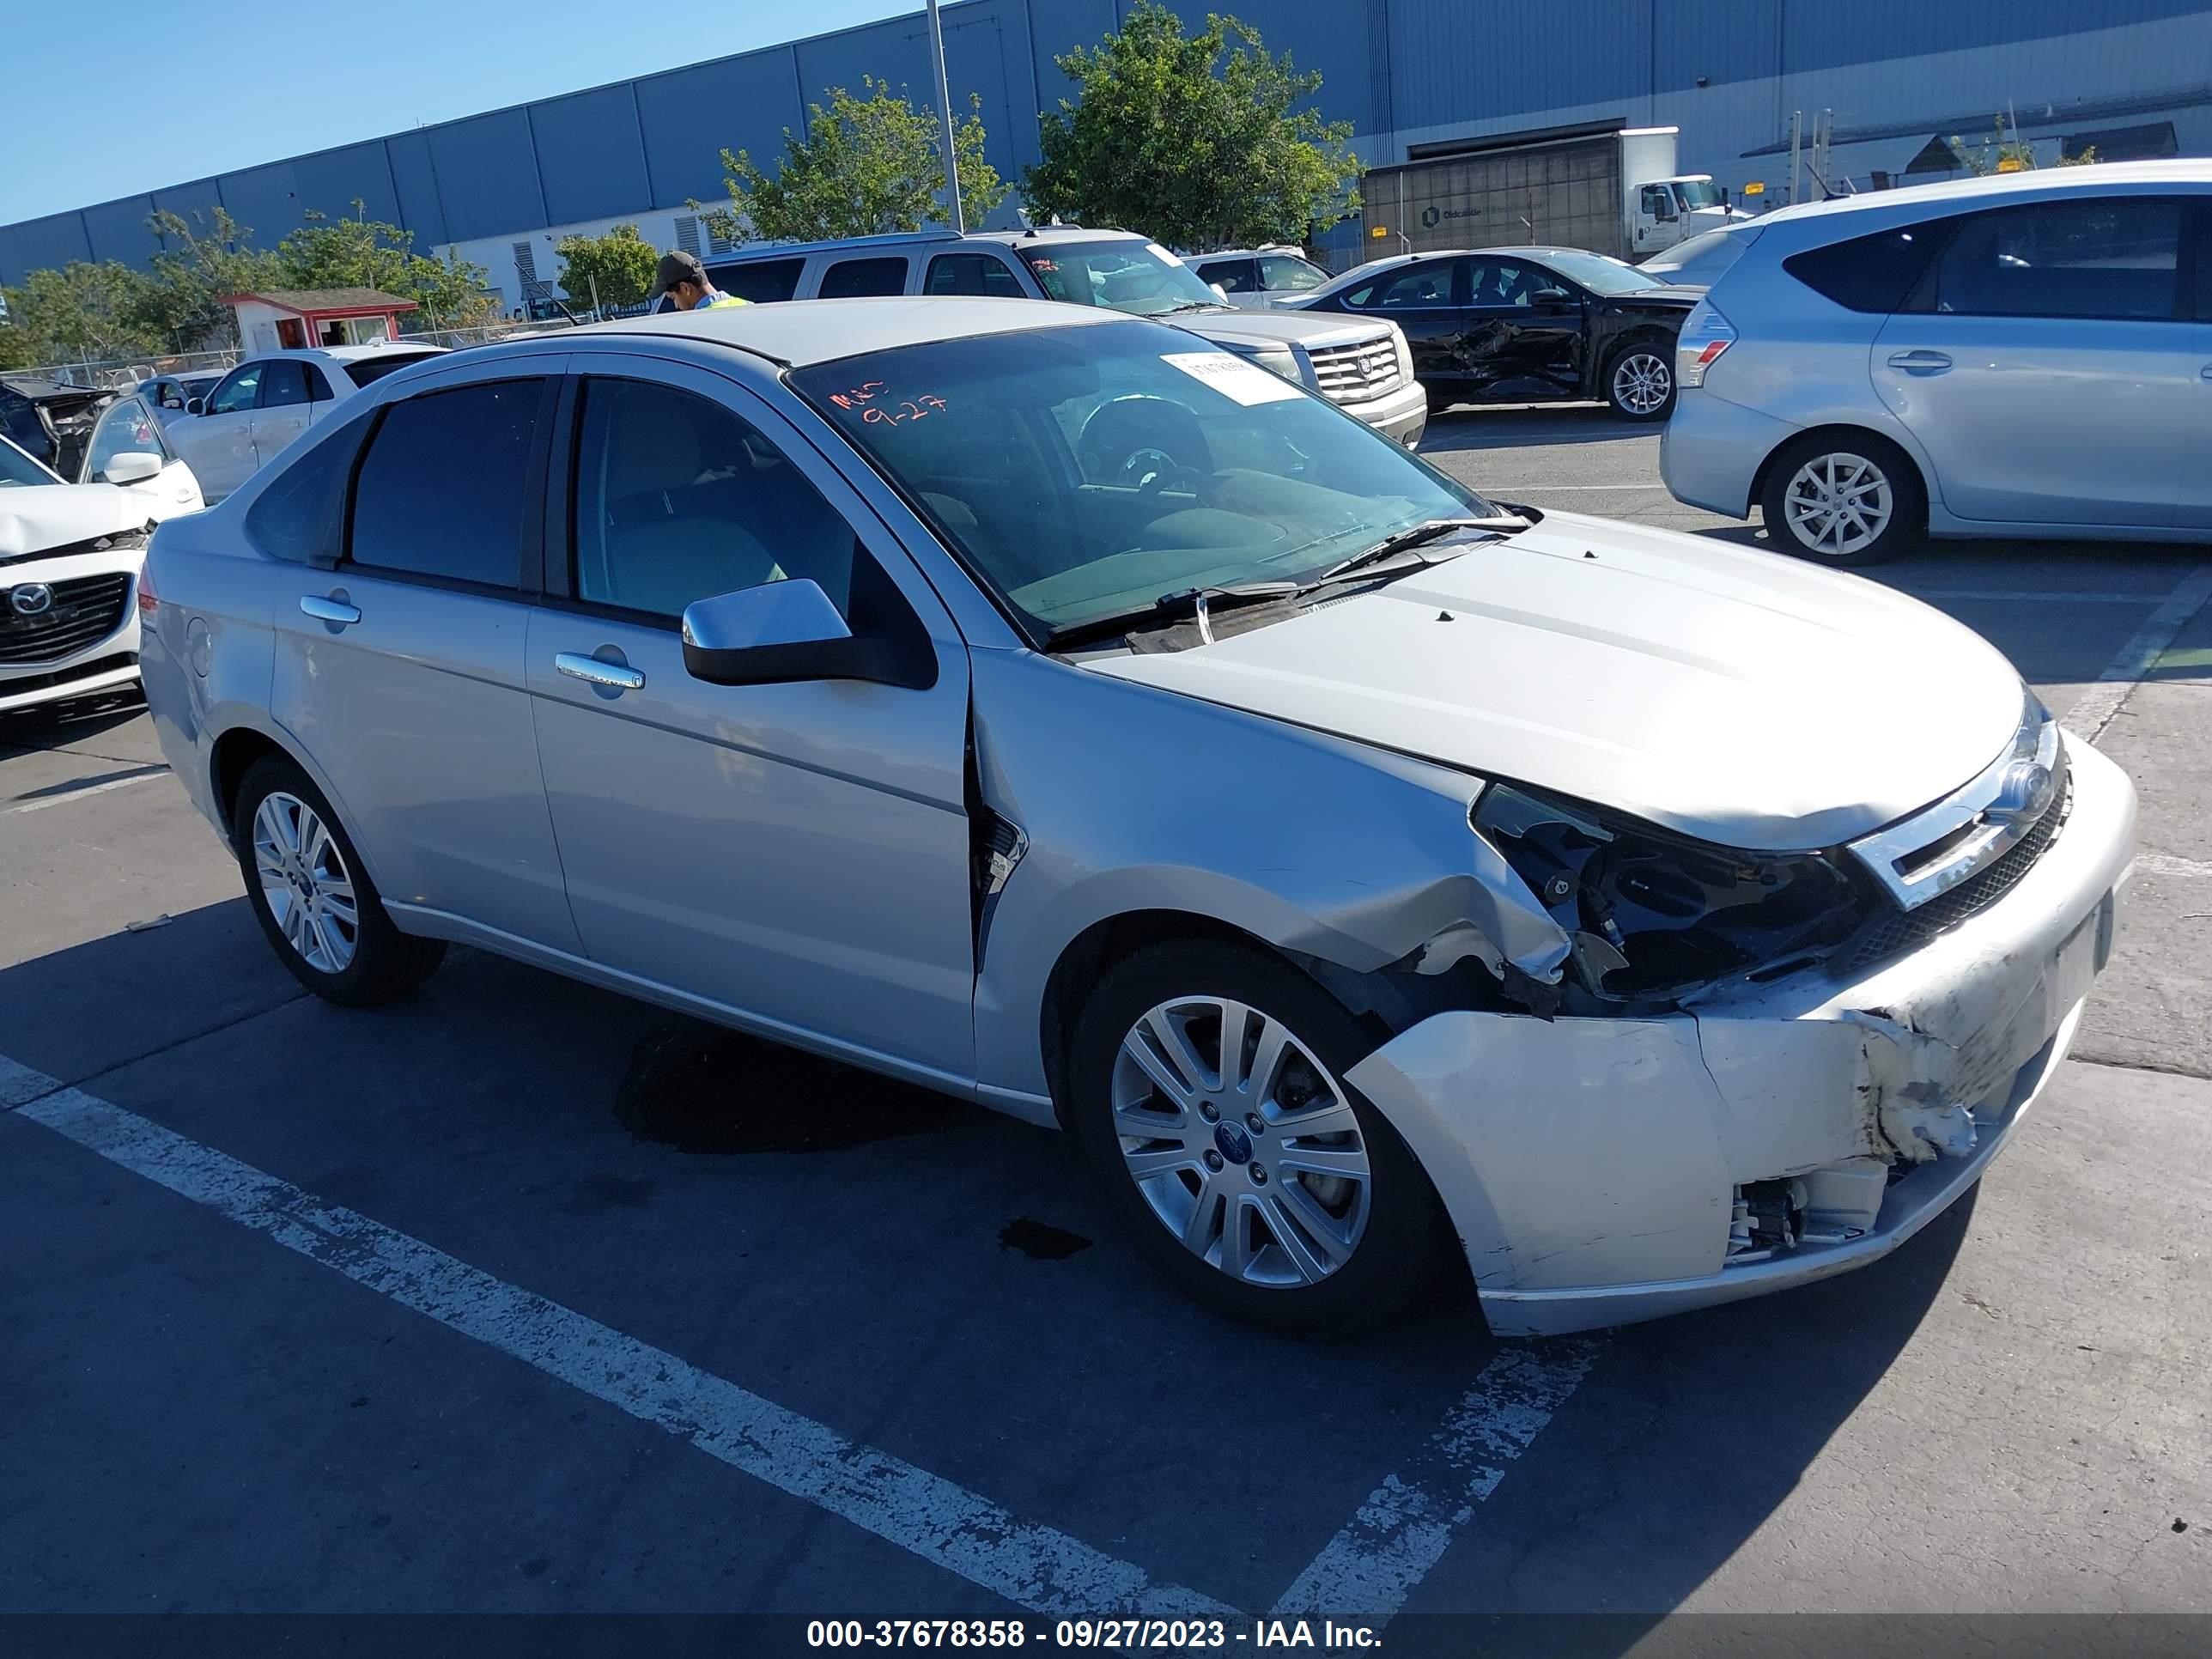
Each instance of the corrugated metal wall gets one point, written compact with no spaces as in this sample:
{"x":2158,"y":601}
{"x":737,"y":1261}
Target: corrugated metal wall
{"x":1401,"y":71}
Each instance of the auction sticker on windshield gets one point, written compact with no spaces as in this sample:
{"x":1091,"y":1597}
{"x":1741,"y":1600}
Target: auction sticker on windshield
{"x":1232,"y":377}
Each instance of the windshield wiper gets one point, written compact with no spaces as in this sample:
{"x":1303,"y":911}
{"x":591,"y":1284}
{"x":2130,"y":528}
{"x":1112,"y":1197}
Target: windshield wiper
{"x":1185,"y":602}
{"x":1415,"y":536}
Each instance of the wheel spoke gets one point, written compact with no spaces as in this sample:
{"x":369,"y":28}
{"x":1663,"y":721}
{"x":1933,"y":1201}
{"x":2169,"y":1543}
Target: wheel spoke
{"x":1236,"y":1025}
{"x":1259,"y":1086}
{"x":1348,"y":1161}
{"x":1309,"y":1263}
{"x":1139,"y":1046}
{"x":1161,"y":1160}
{"x":1204,"y":1217}
{"x":1236,"y":1238}
{"x":1329,"y":1117}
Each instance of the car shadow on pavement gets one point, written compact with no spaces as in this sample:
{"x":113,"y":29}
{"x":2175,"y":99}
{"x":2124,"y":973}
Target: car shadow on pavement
{"x":70,"y":725}
{"x":946,"y":1286}
{"x":1520,"y":426}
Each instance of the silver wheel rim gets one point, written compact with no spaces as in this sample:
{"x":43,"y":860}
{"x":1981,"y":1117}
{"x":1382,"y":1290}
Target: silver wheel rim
{"x":1838,"y":504}
{"x":1641,"y":381}
{"x":304,"y":882}
{"x":1241,"y":1141}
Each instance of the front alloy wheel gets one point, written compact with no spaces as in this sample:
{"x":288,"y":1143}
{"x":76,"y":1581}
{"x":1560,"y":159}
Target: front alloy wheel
{"x":304,"y":882}
{"x":1241,"y":1142}
{"x":1642,"y":386}
{"x":1205,"y":1082}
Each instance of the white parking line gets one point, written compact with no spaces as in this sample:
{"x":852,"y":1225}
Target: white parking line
{"x":2095,"y":709}
{"x":1037,"y":1567}
{"x":1406,"y":1523}
{"x":67,"y":796}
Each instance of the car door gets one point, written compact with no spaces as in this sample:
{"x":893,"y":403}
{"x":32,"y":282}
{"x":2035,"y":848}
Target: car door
{"x":797,"y":853}
{"x":1426,"y":299}
{"x":284,"y":409}
{"x":2047,"y":365}
{"x":218,"y":442}
{"x":399,"y":672}
{"x":1524,"y":324}
{"x":1238,"y":279}
{"x":128,"y":427}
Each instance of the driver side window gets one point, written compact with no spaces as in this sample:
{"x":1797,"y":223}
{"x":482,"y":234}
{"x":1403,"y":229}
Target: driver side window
{"x":238,"y":392}
{"x":676,"y":499}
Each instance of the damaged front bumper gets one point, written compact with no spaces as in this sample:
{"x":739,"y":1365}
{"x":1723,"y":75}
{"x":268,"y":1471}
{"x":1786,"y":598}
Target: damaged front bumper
{"x":1601,"y":1171}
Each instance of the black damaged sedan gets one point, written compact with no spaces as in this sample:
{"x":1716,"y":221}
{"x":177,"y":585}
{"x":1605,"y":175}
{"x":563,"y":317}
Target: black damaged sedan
{"x":1525,"y":325}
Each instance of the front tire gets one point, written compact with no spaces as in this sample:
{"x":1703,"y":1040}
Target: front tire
{"x":314,"y":902}
{"x":1842,"y":499}
{"x":1639,"y":381}
{"x":1207,"y":1091}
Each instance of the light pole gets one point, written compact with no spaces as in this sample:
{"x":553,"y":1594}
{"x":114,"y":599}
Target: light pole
{"x":945,"y":123}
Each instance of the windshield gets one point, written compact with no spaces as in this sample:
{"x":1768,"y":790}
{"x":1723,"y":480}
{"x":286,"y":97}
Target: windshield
{"x":1699,"y":193}
{"x":1087,"y":471}
{"x":17,"y":468}
{"x":1137,"y":277}
{"x":1601,"y":274}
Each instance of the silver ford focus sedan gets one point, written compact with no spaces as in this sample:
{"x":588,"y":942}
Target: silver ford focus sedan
{"x":1038,"y":705}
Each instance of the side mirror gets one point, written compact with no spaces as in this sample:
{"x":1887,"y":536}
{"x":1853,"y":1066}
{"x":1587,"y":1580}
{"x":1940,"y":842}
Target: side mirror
{"x":1550,"y":296}
{"x":1219,"y":292}
{"x":131,"y":466}
{"x":195,"y":406}
{"x":783,"y":633}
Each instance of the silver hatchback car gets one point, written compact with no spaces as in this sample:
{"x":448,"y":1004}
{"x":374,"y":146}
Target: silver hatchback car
{"x":1353,"y":865}
{"x":2025,"y":355}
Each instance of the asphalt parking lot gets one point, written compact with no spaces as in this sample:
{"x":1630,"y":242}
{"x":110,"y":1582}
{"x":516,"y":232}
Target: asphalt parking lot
{"x":518,"y":1296}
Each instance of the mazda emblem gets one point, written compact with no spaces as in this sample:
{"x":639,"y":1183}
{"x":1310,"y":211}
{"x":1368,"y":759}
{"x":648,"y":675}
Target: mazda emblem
{"x":31,"y":599}
{"x":2022,"y":794}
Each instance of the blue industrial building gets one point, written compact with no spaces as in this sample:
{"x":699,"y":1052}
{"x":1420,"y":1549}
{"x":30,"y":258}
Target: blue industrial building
{"x":2130,"y":78}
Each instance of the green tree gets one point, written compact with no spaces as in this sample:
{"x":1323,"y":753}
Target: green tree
{"x":192,"y":272}
{"x":83,"y":312}
{"x":866,"y":166}
{"x":1199,"y":141}
{"x":2005,"y":151}
{"x":617,"y":267}
{"x":16,"y":350}
{"x":364,"y":252}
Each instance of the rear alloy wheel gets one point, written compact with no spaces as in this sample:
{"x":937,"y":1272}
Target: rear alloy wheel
{"x":1640,"y":385}
{"x":1842,"y":502}
{"x":313,"y":899}
{"x":1209,"y":1096}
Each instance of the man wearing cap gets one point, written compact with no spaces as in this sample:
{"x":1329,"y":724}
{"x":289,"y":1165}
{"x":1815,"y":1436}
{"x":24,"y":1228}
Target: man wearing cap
{"x":684,"y":280}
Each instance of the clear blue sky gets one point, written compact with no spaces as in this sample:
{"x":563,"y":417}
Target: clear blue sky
{"x":87,"y":120}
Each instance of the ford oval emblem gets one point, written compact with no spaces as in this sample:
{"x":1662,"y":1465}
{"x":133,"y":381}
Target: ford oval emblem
{"x":1236,"y":1145}
{"x":31,"y":599}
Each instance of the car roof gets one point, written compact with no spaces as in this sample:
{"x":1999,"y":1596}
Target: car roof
{"x":797,"y":332}
{"x":344,"y":354}
{"x":2100,"y":175}
{"x":1055,"y":233}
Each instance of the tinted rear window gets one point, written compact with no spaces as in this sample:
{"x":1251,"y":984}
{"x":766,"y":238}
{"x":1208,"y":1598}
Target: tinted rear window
{"x":858,"y":279}
{"x":296,"y":516}
{"x":1868,"y":273}
{"x":763,"y":282}
{"x":441,"y":488}
{"x":2117,"y":259}
{"x":368,"y":371}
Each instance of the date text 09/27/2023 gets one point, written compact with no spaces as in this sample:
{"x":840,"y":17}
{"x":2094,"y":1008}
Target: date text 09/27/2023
{"x":1125,"y":1634}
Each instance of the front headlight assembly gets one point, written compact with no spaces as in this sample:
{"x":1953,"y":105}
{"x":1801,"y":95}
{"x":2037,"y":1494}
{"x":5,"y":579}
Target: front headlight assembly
{"x":1654,"y":915}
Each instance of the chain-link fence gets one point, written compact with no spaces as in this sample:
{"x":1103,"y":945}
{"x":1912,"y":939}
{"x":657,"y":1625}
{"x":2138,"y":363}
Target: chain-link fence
{"x":121,"y":373}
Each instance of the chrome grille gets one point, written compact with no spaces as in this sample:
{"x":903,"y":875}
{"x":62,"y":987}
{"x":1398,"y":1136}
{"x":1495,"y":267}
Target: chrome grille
{"x":85,"y":610}
{"x":1353,"y":374}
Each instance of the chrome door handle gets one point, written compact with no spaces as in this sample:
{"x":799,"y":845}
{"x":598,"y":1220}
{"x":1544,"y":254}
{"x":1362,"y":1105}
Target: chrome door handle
{"x":1920,"y":363}
{"x":608,"y":675}
{"x":2206,"y":371}
{"x":335,"y":611}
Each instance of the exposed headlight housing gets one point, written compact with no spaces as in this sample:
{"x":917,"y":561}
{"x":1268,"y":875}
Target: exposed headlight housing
{"x":1281,"y":359}
{"x":1653,"y":915}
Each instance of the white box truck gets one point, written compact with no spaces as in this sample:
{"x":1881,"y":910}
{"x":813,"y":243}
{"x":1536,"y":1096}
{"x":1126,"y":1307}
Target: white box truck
{"x":1611,"y":190}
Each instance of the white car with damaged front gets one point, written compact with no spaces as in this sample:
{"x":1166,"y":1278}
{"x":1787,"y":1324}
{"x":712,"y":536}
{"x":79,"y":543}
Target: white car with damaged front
{"x":1352,"y":863}
{"x":70,"y":559}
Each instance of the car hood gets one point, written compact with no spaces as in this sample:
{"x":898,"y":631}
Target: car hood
{"x":1737,"y":696}
{"x":35,"y":518}
{"x":1251,"y":328}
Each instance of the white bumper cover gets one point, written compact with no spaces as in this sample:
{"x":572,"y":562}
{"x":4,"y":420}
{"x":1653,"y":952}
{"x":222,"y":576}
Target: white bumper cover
{"x":1591,"y":1167}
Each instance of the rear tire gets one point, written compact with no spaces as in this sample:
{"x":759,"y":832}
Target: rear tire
{"x":1639,"y":381}
{"x":1843,"y":498}
{"x":313,"y":898}
{"x":1274,"y":1194}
